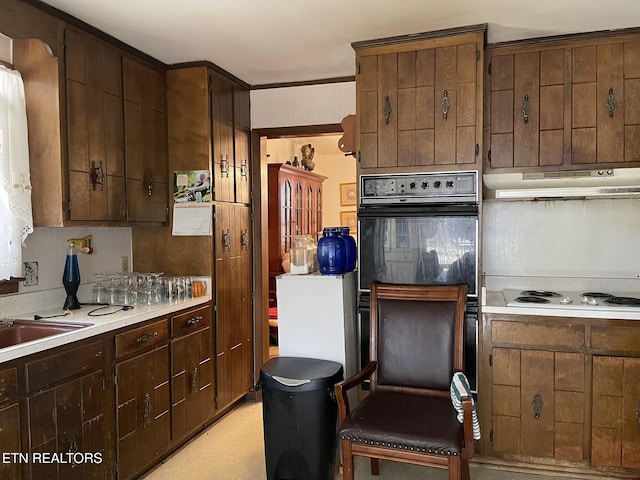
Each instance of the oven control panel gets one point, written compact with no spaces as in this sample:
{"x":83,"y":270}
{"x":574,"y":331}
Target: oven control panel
{"x":420,"y":188}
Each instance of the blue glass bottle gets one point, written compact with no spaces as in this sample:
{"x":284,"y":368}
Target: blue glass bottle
{"x":332,"y":252}
{"x":71,"y":278}
{"x":352,"y":251}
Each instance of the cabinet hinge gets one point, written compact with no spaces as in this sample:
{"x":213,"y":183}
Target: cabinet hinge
{"x":359,"y":69}
{"x":489,"y":156}
{"x":104,"y":384}
{"x":115,"y":379}
{"x":491,"y":360}
{"x":489,"y":69}
{"x":167,"y":213}
{"x":477,"y":56}
{"x":477,"y":149}
{"x":491,"y":435}
{"x":359,"y":156}
{"x":68,"y":206}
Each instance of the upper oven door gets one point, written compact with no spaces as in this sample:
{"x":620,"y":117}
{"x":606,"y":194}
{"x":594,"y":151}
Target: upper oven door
{"x":418,"y":245}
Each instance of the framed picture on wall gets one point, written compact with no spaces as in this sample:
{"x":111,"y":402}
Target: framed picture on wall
{"x":347,"y":194}
{"x":349,"y":219}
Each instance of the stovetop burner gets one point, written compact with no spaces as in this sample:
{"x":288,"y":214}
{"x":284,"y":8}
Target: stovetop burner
{"x":540,"y":293}
{"x":531,"y":299}
{"x":587,"y":301}
{"x":597,"y":295}
{"x":626,"y":301}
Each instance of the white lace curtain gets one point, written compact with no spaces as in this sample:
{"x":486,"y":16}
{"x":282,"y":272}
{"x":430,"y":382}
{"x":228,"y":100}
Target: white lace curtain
{"x":16,"y":220}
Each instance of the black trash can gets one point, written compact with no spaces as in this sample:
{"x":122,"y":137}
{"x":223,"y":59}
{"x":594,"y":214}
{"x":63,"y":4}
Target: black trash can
{"x":300,"y":417}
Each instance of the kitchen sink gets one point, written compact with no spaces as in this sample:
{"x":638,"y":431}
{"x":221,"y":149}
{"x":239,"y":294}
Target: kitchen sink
{"x":14,"y":332}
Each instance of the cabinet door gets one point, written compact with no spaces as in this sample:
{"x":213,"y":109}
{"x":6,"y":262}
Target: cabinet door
{"x":145,"y":134}
{"x":527,"y":109}
{"x":418,"y":108}
{"x":142,"y":410}
{"x":242,"y":140}
{"x":10,"y":440}
{"x":538,"y":403}
{"x":233,"y":299}
{"x":69,"y":419}
{"x":191,"y":381}
{"x":615,"y":432}
{"x":598,"y":107}
{"x":222,"y":128}
{"x":95,"y":129}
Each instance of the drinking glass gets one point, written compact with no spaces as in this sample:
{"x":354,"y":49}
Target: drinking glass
{"x":99,"y":289}
{"x":114,"y":290}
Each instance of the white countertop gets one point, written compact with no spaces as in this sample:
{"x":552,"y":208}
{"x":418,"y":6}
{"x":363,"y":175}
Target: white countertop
{"x":100,"y":324}
{"x":494,"y":302}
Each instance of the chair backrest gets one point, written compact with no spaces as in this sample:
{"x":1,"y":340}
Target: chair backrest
{"x":417,"y":336}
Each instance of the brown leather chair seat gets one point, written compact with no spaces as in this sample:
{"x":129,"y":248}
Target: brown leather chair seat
{"x":406,"y":422}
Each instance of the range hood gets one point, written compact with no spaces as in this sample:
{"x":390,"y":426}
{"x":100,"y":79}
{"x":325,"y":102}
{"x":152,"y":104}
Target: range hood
{"x":621,"y":182}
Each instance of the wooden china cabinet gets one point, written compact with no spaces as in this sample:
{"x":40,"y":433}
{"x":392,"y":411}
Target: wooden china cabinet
{"x":564,"y":103}
{"x":419,"y":100}
{"x":295,"y":208}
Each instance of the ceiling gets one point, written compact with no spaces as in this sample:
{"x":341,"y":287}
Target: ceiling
{"x":285,"y":41}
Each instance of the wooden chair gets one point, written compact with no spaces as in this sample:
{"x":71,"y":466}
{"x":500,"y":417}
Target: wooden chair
{"x":416,"y":345}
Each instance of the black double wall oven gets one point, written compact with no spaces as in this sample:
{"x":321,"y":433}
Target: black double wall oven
{"x":419,"y":229}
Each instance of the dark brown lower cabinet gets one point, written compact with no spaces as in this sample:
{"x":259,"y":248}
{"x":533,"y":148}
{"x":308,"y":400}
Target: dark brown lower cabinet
{"x":68,"y":420}
{"x":562,"y":393}
{"x":615,"y":431}
{"x":142,"y":410}
{"x":10,"y":440}
{"x":192,"y":379}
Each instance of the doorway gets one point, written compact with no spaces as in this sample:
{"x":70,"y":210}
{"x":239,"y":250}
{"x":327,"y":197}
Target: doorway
{"x":285,"y":142}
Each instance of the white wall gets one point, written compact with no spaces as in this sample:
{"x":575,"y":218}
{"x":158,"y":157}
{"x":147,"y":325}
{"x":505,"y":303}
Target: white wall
{"x":595,"y":238}
{"x":48,"y":247}
{"x":304,"y":105}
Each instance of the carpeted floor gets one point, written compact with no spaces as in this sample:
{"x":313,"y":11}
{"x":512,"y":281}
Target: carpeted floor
{"x":232,"y":449}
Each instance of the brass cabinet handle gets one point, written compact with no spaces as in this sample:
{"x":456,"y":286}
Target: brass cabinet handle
{"x":194,"y":380}
{"x":445,"y":105}
{"x":194,"y":320}
{"x":243,"y":169}
{"x":149,"y":182}
{"x":146,"y":337}
{"x":526,"y":109}
{"x":97,"y":176}
{"x":387,"y":110}
{"x":611,"y":102}
{"x":226,"y":239}
{"x":245,"y":239}
{"x":147,"y":409}
{"x":73,"y":447}
{"x":537,"y":406}
{"x":224,"y":166}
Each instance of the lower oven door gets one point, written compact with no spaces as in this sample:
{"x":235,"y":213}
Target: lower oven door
{"x":418,"y":245}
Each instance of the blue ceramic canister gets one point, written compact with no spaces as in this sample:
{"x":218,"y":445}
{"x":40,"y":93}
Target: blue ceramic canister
{"x":352,"y":251}
{"x":332,"y":252}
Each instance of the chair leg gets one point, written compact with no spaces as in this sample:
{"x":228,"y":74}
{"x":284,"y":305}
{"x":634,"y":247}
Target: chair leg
{"x":347,"y":461}
{"x":455,"y":468}
{"x":464,"y":467}
{"x":375,"y":466}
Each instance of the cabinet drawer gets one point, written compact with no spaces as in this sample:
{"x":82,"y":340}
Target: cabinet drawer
{"x":619,"y":339}
{"x":67,"y":364}
{"x":8,"y":385}
{"x":191,"y":321}
{"x":537,"y":335}
{"x":141,"y":338}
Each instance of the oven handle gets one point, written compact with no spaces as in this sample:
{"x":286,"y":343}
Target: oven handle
{"x":386,"y":211}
